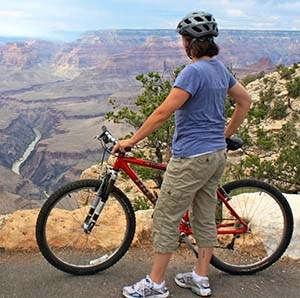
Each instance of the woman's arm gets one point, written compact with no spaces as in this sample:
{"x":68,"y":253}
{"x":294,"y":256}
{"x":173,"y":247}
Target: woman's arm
{"x":242,"y":105}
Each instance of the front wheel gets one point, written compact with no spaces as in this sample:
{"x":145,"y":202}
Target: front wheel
{"x":270,"y":221}
{"x":62,"y":239}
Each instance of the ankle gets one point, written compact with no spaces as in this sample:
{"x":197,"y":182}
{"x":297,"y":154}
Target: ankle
{"x":200,"y":272}
{"x":198,"y":278}
{"x":158,"y":284}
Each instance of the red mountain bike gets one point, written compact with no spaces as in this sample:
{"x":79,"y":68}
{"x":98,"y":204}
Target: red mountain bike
{"x":88,"y":225}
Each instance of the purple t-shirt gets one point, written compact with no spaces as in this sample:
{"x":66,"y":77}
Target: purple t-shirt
{"x":200,"y":121}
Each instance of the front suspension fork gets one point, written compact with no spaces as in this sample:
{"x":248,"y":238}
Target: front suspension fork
{"x":99,"y":201}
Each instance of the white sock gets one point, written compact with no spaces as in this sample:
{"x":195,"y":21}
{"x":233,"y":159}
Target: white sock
{"x":155,"y":285}
{"x":199,"y":278}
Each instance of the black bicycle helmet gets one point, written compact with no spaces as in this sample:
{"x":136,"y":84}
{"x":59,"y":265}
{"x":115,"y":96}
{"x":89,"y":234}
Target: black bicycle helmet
{"x":198,"y":24}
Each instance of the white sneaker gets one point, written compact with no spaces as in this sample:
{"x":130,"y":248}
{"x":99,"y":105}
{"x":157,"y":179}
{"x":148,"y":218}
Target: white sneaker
{"x":145,"y":289}
{"x":185,"y":280}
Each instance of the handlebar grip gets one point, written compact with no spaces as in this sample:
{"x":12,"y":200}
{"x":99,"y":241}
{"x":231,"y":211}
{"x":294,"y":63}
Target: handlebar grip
{"x":127,"y":149}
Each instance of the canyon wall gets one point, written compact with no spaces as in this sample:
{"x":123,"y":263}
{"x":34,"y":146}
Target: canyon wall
{"x":63,"y":90}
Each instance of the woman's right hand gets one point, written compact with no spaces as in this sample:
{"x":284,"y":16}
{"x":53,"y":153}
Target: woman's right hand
{"x":122,"y":145}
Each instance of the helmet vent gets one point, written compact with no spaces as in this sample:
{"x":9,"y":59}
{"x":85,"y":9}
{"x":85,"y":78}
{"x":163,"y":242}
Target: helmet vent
{"x":208,"y":18}
{"x":206,"y":27}
{"x":187,"y":21}
{"x":197,"y":29}
{"x":198,"y":19}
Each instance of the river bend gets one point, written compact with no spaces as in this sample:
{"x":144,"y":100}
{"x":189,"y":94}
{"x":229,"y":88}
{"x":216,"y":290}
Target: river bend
{"x":17,"y":165}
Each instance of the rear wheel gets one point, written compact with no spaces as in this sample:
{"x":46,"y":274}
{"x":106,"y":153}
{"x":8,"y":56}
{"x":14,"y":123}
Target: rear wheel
{"x":60,"y":233}
{"x":270,"y":219}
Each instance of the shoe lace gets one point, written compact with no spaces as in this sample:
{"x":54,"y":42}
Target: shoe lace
{"x":141,"y":285}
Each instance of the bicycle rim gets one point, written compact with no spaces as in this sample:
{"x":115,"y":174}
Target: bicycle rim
{"x":63,"y":241}
{"x":270,"y":221}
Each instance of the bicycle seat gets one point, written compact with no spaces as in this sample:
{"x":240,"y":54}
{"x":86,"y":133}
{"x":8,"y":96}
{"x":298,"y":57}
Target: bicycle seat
{"x":234,"y":143}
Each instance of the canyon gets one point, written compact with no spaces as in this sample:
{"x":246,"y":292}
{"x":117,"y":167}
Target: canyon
{"x":63,"y":91}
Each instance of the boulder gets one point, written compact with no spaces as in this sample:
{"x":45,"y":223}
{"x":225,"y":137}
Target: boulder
{"x":17,"y":231}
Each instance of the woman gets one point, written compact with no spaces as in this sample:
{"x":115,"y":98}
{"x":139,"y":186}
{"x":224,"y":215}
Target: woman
{"x":198,"y":155}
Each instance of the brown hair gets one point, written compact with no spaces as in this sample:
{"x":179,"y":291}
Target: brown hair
{"x":201,"y":47}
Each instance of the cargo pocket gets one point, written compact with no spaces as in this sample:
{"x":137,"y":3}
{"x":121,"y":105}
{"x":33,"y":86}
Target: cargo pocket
{"x":166,"y":219}
{"x":172,"y":203}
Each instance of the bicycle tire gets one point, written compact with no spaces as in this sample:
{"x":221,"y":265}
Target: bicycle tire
{"x":258,"y":249}
{"x":85,"y":253}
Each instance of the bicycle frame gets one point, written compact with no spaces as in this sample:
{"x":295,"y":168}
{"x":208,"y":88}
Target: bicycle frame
{"x":222,"y":228}
{"x":122,"y":163}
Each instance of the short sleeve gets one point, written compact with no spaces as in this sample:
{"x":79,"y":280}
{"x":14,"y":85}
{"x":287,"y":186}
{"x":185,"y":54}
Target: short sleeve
{"x":231,"y":79}
{"x":188,"y":80}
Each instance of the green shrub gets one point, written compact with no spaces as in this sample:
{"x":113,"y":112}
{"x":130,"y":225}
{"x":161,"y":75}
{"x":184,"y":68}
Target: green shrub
{"x":258,"y":112}
{"x":295,"y":66}
{"x":287,"y":135}
{"x":252,"y":77}
{"x":243,"y":133}
{"x":141,"y":203}
{"x":265,"y":80}
{"x":285,"y":72}
{"x":229,"y":107}
{"x":295,"y":116}
{"x":155,"y":89}
{"x":264,"y":140}
{"x":279,"y":110}
{"x":293,"y":88}
{"x":128,"y":188}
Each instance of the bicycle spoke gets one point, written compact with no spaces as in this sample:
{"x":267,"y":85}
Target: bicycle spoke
{"x":66,"y":204}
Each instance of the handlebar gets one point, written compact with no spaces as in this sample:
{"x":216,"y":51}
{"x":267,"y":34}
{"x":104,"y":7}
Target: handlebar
{"x":107,"y":137}
{"x":233,"y":143}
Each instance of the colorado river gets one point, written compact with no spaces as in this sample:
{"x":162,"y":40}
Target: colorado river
{"x":16,"y":166}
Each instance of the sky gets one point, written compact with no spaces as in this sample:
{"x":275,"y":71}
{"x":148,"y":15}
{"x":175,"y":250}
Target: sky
{"x":50,"y":18}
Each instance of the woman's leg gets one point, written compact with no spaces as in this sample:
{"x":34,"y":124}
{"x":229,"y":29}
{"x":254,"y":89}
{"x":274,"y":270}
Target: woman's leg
{"x":204,"y":256}
{"x":160,"y":264}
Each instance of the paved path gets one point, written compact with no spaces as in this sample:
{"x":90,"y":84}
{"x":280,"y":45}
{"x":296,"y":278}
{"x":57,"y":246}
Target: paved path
{"x":30,"y":276}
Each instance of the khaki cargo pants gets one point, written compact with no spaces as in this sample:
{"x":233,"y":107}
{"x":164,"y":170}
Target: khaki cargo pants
{"x":188,"y":182}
